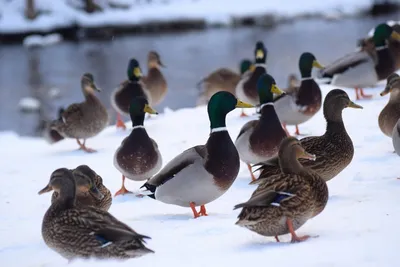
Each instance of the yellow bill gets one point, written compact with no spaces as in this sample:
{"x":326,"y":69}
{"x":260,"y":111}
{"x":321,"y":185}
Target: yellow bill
{"x":260,"y":54}
{"x":241,"y":104}
{"x":316,"y":64}
{"x":275,"y":89}
{"x":149,"y":110}
{"x":252,"y":67}
{"x":137,"y":72}
{"x":395,"y":35}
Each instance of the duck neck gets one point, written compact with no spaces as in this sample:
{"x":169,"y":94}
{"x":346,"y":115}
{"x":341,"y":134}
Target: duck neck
{"x":66,"y":196}
{"x":268,"y":114}
{"x":290,"y":164}
{"x":305,"y":74}
{"x":137,"y":121}
{"x":217,"y":121}
{"x":394,"y":96}
{"x":334,"y":121}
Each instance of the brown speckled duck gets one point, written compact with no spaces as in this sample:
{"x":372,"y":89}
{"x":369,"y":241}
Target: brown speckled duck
{"x":390,"y":114}
{"x":137,"y":158}
{"x":335,"y":149}
{"x":85,"y":232}
{"x":288,"y":199}
{"x":83,"y":120}
{"x":259,"y":140}
{"x":202,"y":173}
{"x":155,"y":82}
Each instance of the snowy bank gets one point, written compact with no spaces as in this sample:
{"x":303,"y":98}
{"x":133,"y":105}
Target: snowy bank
{"x":357,"y":228}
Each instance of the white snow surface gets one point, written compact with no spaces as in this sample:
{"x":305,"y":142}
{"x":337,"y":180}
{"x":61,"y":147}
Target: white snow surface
{"x":63,"y":13}
{"x":359,"y":226}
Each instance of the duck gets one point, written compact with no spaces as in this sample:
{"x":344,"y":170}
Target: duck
{"x":154,"y":81}
{"x":138,"y":157}
{"x":246,"y":89}
{"x":390,"y":114}
{"x":83,"y":120}
{"x":396,"y":138}
{"x":90,"y":189}
{"x":259,"y":140}
{"x":288,"y":199}
{"x":364,"y":68}
{"x":203,"y":173}
{"x":222,"y":79}
{"x":85,"y":232}
{"x":334,"y":148}
{"x":302,"y":103}
{"x":293,"y":83}
{"x":51,"y":135}
{"x":121,"y":96}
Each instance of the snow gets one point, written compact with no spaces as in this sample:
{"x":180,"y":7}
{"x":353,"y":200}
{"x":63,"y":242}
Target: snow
{"x":58,"y":14}
{"x":28,"y":104}
{"x":36,"y":40}
{"x":357,"y":228}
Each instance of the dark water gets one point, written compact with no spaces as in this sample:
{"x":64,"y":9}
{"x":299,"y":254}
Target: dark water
{"x":188,"y":56}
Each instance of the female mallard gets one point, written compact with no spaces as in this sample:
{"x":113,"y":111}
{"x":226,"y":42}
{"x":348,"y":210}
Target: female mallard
{"x":203,"y":173}
{"x":302,"y":103}
{"x":259,"y":140}
{"x":390,"y":114}
{"x":83,"y":120}
{"x":246,"y":89}
{"x":90,"y":189}
{"x":121,"y":97}
{"x":51,"y":135}
{"x":222,"y":79}
{"x":85,"y":232}
{"x":335,"y":149}
{"x":396,"y":137}
{"x":364,"y":68}
{"x":155,"y":82}
{"x":138,"y":157}
{"x":289,"y":199}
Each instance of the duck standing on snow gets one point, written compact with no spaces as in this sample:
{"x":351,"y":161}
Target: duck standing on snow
{"x":246,"y":89}
{"x":121,"y":97}
{"x":289,"y":199}
{"x":83,"y":120}
{"x":137,"y":158}
{"x":203,"y":173}
{"x":155,"y":82}
{"x":390,"y":114}
{"x":85,"y":232}
{"x":335,"y":149}
{"x":302,"y":103}
{"x":396,"y":137}
{"x":222,"y":79}
{"x":259,"y":140}
{"x":364,"y":68}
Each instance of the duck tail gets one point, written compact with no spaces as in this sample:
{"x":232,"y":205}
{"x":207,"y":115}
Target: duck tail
{"x":148,"y":190}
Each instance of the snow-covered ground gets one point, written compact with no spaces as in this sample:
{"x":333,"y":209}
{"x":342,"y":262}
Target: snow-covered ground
{"x":359,"y":226}
{"x":62,"y":13}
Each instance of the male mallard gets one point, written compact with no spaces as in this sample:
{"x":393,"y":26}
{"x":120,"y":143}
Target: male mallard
{"x":83,"y":120}
{"x":85,"y":232}
{"x":390,"y":114}
{"x":259,"y":140}
{"x":90,"y":189}
{"x":335,"y":149}
{"x":121,"y":97}
{"x":155,"y":82}
{"x":363,"y":68}
{"x":138,"y":157}
{"x":302,"y":103}
{"x":396,"y":137}
{"x":246,"y":89}
{"x":203,"y":173}
{"x":222,"y":79}
{"x":51,"y":135}
{"x":289,"y":199}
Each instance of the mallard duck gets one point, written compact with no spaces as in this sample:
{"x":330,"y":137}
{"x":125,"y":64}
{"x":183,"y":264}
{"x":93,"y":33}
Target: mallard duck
{"x":335,"y":149}
{"x":246,"y":89}
{"x":83,"y":120}
{"x":390,"y":114}
{"x":259,"y":140}
{"x":155,"y":82}
{"x":364,"y":68}
{"x":121,"y":97}
{"x":293,"y":84}
{"x":396,"y":137}
{"x":51,"y":135}
{"x":288,"y":199}
{"x":202,"y":173}
{"x":137,"y":158}
{"x":222,"y":79}
{"x":90,"y":189}
{"x":85,"y":232}
{"x":302,"y":103}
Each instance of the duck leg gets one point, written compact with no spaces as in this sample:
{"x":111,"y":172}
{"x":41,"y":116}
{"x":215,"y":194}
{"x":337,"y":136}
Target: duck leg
{"x":123,"y":190}
{"x":277,"y":239}
{"x":243,"y":114}
{"x":285,"y":129}
{"x":195,"y":213}
{"x":120,"y":123}
{"x":363,"y":95}
{"x":253,"y":178}
{"x":297,"y":132}
{"x":203,"y":211}
{"x":295,"y":238}
{"x":84,"y":147}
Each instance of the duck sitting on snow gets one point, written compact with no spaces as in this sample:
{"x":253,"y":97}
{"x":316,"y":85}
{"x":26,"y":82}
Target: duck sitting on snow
{"x":259,"y":140}
{"x":137,"y":158}
{"x":83,"y":120}
{"x":203,"y":173}
{"x":289,"y":199}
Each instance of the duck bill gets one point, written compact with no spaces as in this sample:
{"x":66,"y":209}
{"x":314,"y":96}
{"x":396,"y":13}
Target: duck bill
{"x":94,"y":86}
{"x":241,"y":104}
{"x":149,"y":110}
{"x":252,"y":67}
{"x":48,"y":188}
{"x":316,"y":64}
{"x":96,"y":193}
{"x":137,"y":72}
{"x":308,"y":156}
{"x":259,"y":54}
{"x":385,"y":92}
{"x":354,"y":105}
{"x":395,"y":35}
{"x":275,"y":89}
{"x":161,"y":64}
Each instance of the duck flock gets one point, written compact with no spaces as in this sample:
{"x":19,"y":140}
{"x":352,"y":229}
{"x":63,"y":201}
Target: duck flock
{"x":291,"y":186}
